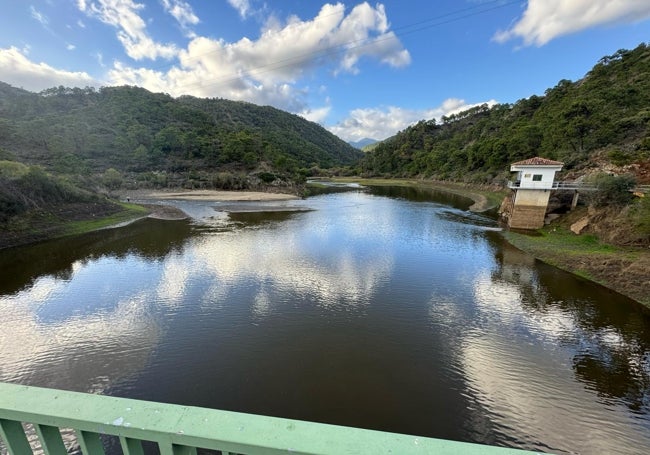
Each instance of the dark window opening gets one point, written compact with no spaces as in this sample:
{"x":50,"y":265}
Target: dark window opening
{"x":537,"y":177}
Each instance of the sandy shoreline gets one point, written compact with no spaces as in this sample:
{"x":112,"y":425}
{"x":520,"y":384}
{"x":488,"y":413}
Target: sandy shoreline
{"x":210,"y":195}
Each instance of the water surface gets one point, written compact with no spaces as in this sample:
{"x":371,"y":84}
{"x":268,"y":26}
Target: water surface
{"x":395,"y":310}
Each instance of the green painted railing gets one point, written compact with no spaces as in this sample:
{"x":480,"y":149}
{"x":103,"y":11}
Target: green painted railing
{"x":33,"y":420}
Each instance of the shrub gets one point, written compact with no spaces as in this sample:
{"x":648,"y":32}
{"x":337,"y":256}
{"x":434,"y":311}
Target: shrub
{"x":641,"y":216}
{"x":112,"y":179}
{"x":12,"y":169}
{"x":612,"y":190}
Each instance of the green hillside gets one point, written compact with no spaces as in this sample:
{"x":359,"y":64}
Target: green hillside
{"x":602,"y":118}
{"x":129,"y":129}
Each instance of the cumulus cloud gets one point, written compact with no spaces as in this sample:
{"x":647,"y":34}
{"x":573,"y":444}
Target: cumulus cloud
{"x":267,"y":70}
{"x":181,"y":11}
{"x":544,"y":20}
{"x":356,"y":37}
{"x":317,"y":115}
{"x":18,"y":70}
{"x":243,"y":7}
{"x":132,"y":29}
{"x":380,"y":123}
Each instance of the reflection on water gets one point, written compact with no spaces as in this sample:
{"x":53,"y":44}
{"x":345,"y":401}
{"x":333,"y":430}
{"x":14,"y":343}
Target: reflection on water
{"x":75,"y":315}
{"x":146,"y":238}
{"x":391,"y":309}
{"x":534,"y":324}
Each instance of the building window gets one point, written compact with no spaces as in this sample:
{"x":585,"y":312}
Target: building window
{"x":537,"y":177}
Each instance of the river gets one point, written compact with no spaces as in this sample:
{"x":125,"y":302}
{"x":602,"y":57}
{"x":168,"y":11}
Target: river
{"x":393,"y":309}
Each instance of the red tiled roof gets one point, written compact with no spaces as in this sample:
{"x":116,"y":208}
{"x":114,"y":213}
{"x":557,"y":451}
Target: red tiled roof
{"x":537,"y":161}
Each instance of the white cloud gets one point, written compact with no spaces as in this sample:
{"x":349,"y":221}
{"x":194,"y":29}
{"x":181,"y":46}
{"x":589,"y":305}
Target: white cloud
{"x":70,"y":47}
{"x":545,"y":20}
{"x":243,"y":7}
{"x":132,"y":29}
{"x":357,"y":38}
{"x":181,"y":11}
{"x":100,"y":59}
{"x":380,"y":123}
{"x":18,"y":70}
{"x":266,"y":70}
{"x":40,"y":17}
{"x":317,"y":115}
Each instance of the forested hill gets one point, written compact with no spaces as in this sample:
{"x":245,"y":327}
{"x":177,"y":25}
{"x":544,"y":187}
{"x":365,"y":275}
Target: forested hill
{"x":133,"y":130}
{"x":603,"y":118}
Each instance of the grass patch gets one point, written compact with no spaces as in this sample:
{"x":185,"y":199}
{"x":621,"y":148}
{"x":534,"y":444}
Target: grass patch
{"x":66,"y":219}
{"x":551,"y":241}
{"x":587,"y":276}
{"x":129,"y":212}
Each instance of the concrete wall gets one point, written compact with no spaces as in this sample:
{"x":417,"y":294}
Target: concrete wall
{"x":527,"y":217}
{"x":537,"y":198}
{"x":529,"y":209}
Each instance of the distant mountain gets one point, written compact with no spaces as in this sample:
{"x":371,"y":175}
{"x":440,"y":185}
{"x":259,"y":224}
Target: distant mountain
{"x":360,"y":144}
{"x":133,"y":130}
{"x":602,"y":118}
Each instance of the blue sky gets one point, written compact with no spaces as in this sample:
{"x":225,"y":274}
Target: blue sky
{"x":360,"y":69}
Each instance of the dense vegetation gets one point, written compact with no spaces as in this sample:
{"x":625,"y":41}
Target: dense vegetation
{"x":36,"y":205}
{"x":604,"y":116}
{"x":24,"y":188}
{"x":155,"y":139}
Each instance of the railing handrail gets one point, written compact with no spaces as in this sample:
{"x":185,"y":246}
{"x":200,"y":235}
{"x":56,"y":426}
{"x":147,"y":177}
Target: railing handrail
{"x":181,"y":429}
{"x":567,"y":185}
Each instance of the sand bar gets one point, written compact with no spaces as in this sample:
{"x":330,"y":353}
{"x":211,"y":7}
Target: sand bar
{"x":213,"y":195}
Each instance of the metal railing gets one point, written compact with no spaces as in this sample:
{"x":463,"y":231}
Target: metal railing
{"x":580,"y":186}
{"x":177,"y":430}
{"x":556,"y":186}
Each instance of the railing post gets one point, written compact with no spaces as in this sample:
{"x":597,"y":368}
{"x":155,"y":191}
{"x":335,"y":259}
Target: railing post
{"x":90,"y":443}
{"x":13,"y":435}
{"x":131,"y":446}
{"x":175,"y":449}
{"x":51,"y":441}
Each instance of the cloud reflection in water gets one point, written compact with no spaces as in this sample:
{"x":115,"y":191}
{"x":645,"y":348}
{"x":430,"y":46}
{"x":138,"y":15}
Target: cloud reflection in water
{"x":517,"y":363}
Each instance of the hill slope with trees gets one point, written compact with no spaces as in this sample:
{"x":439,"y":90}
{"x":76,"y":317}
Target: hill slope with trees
{"x":131,"y":130}
{"x":602,"y":119}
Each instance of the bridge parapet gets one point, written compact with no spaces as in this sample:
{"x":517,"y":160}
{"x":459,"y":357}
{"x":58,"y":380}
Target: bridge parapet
{"x":180,"y":430}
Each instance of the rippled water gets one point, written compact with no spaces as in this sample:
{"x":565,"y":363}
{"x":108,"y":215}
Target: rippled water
{"x":395,"y":310}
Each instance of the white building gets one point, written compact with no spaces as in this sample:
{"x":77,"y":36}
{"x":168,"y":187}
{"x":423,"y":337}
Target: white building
{"x":532,"y":186}
{"x":535,"y":173}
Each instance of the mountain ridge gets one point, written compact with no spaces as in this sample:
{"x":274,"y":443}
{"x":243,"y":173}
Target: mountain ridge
{"x":601,"y":119}
{"x":134,"y":130}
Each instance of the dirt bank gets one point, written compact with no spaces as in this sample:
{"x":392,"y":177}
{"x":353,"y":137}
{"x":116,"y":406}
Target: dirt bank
{"x":624,"y":270}
{"x":208,"y":195}
{"x":66,"y":219}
